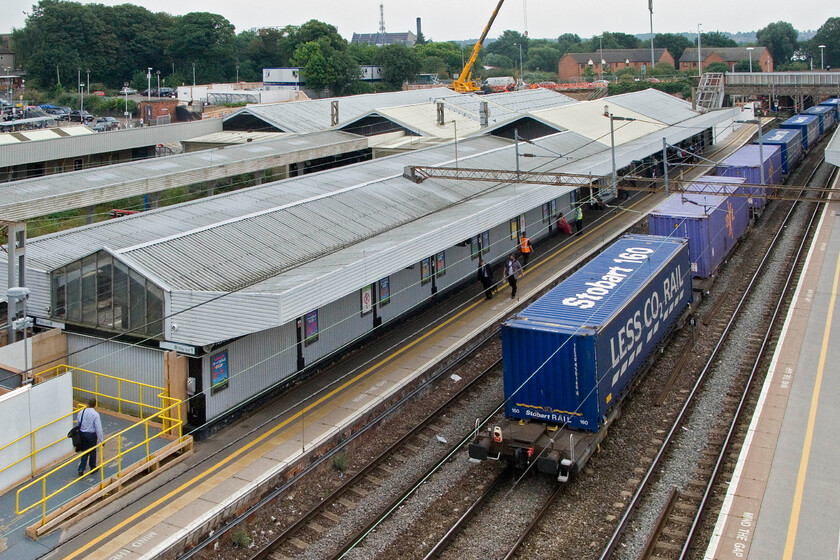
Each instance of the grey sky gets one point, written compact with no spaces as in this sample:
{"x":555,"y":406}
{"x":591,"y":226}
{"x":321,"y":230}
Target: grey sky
{"x":445,"y":20}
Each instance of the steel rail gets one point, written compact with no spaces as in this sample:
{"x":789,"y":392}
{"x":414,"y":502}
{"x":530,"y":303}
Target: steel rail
{"x":534,"y":522}
{"x":741,"y":404}
{"x":649,"y":475}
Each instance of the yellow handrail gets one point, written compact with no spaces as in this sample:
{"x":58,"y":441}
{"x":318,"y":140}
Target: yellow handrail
{"x":162,"y":417}
{"x":34,"y":453}
{"x":170,"y":425}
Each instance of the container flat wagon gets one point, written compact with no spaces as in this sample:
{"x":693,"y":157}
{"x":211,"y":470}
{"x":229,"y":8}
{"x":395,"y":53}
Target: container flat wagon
{"x":826,"y":115}
{"x":570,"y":357}
{"x":750,"y":162}
{"x":835,"y":103}
{"x":713,"y":224}
{"x":809,"y":125}
{"x":790,"y":142}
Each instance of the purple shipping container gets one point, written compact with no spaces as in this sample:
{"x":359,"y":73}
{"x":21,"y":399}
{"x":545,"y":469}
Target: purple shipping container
{"x":711,"y":223}
{"x":790,"y":141}
{"x":570,"y":356}
{"x":833,"y":103}
{"x":809,"y":125}
{"x":826,"y":115}
{"x":745,"y":163}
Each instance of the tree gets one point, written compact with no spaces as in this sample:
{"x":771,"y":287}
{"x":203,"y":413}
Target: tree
{"x":719,"y":67}
{"x":207,"y":41}
{"x":543,"y":58}
{"x":399,"y":65}
{"x":828,"y":35}
{"x":569,"y":42}
{"x":676,"y":45}
{"x":610,"y":40}
{"x":716,"y":39}
{"x":780,"y":38}
{"x":449,"y":53}
{"x":497,"y":61}
{"x":744,"y":66}
{"x":508,"y":45}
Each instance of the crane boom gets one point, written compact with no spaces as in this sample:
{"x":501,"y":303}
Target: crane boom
{"x":464,"y":83}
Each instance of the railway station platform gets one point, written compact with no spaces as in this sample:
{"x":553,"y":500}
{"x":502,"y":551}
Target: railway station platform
{"x":782,"y":499}
{"x":225,"y":472}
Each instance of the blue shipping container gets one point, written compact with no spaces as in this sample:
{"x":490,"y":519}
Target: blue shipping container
{"x":826,"y":115}
{"x":808,"y":124}
{"x":745,"y":163}
{"x":711,"y":223}
{"x":569,"y":356}
{"x":833,"y":103}
{"x":790,"y":141}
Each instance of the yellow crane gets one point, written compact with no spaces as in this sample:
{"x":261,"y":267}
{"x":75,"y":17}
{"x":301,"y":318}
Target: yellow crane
{"x":465,"y":83}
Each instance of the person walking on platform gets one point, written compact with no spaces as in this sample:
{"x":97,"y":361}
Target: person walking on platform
{"x":90,"y":426}
{"x":525,"y":248}
{"x":579,"y":219}
{"x":485,"y":276}
{"x":513,"y":271}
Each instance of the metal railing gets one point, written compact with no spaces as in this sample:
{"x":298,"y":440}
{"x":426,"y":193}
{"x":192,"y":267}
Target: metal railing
{"x":783,"y":78}
{"x":161,"y":420}
{"x":33,"y":449}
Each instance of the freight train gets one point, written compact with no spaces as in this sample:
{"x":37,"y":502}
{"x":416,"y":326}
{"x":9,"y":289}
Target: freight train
{"x":571,"y":357}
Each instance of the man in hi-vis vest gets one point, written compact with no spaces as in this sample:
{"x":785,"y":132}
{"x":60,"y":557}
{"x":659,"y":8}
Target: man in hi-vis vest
{"x":525,"y":248}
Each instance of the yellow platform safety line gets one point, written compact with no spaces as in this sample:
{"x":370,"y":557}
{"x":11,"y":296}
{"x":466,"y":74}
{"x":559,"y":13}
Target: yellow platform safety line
{"x":268,"y":434}
{"x":170,"y":426}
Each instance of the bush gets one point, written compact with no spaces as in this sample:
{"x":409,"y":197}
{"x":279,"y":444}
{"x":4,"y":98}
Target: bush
{"x":340,"y":461}
{"x":240,"y":537}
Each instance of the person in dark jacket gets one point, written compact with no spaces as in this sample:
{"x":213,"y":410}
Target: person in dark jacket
{"x":90,"y":425}
{"x":485,"y":276}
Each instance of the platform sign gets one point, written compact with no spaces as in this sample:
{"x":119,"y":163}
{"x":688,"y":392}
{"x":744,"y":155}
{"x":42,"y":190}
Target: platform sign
{"x":385,"y":290}
{"x":367,"y":299}
{"x":310,"y":326}
{"x":485,"y":241}
{"x":441,"y":263}
{"x":219,"y":371}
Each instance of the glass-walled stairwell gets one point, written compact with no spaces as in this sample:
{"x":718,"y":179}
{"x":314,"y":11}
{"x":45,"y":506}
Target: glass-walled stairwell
{"x":101,"y":292}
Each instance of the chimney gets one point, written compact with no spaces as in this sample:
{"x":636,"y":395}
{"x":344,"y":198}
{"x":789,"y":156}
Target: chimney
{"x":334,"y":112}
{"x":440,"y":117}
{"x":419,"y":30}
{"x":484,"y":114}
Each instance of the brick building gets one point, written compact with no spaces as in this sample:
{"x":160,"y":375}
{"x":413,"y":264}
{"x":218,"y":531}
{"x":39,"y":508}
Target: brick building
{"x":729,"y":55}
{"x":572,"y":65}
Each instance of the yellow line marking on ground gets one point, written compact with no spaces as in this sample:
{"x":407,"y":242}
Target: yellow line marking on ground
{"x":318,"y":402}
{"x":809,"y":432}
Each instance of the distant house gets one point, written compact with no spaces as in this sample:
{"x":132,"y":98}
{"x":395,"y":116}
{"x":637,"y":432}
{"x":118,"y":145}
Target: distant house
{"x":379,"y":39}
{"x":572,"y":65}
{"x":728,"y":55}
{"x":7,"y":58}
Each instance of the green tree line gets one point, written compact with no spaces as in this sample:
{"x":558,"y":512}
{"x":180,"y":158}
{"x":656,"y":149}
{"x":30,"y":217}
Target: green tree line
{"x":117,"y":44}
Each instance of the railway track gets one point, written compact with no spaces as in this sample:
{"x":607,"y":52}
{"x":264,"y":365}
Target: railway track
{"x":680,"y":518}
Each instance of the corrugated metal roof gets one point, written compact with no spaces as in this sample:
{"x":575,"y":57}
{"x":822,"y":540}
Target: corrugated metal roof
{"x":832,"y":151}
{"x":82,"y":142}
{"x":655,"y":104}
{"x":64,"y":191}
{"x":587,"y":118}
{"x":314,"y":114}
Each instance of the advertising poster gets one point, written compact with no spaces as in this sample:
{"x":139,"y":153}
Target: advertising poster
{"x":219,"y":371}
{"x":385,"y":290}
{"x":441,"y":263}
{"x":485,"y":241}
{"x":367,"y":299}
{"x":425,"y":270}
{"x":310,"y":322}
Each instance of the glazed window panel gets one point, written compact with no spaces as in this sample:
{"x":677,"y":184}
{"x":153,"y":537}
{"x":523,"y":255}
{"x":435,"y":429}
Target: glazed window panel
{"x":136,"y":302}
{"x":120,"y":296}
{"x":58,"y":306}
{"x":74,"y":292}
{"x":104,"y":290}
{"x":154,"y":310}
{"x":89,"y":290}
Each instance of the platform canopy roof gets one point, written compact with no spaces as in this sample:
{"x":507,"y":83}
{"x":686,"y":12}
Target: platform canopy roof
{"x":832,"y":151}
{"x":276,"y":251}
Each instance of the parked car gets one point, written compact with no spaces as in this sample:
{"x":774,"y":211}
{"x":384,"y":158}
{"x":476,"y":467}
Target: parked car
{"x":80,"y":116}
{"x":100,"y":93}
{"x":106,"y":123}
{"x":166,"y":92}
{"x":128,"y":91}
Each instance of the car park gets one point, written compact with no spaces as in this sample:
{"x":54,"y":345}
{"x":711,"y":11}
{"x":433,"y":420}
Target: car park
{"x":79,"y":116}
{"x":106,"y":123}
{"x":128,"y":91}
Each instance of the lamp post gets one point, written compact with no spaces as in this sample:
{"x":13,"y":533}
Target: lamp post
{"x":237,"y":73}
{"x":699,"y":53}
{"x":18,"y":294}
{"x":125,"y":89}
{"x":149,"y":84}
{"x":750,"y":50}
{"x":822,"y":57}
{"x":87,"y":90}
{"x":614,"y":183}
{"x":193,"y":73}
{"x":652,"y":58}
{"x":158,"y":82}
{"x":601,"y":54}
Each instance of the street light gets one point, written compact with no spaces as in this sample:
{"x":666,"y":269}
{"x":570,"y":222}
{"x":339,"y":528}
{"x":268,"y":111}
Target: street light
{"x":822,"y":58}
{"x":699,"y":53}
{"x":652,"y":59}
{"x":125,"y":89}
{"x":601,"y":54}
{"x":158,"y":82}
{"x":520,"y":59}
{"x":88,"y":82}
{"x":612,"y":118}
{"x":193,"y":73}
{"x":750,"y":49}
{"x":149,"y":82}
{"x":18,"y":294}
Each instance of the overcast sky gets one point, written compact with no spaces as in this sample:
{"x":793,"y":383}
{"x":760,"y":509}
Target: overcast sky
{"x":445,"y":20}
